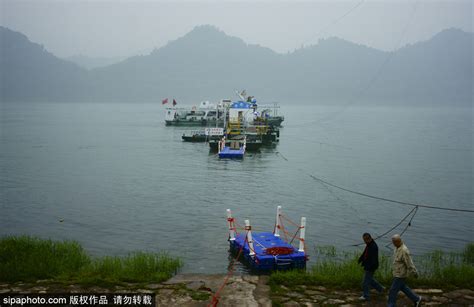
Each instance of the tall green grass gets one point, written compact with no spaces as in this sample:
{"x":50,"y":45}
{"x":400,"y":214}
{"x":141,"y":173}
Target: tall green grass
{"x":468,"y":254}
{"x":340,"y":269}
{"x":137,"y":267}
{"x":27,"y":258}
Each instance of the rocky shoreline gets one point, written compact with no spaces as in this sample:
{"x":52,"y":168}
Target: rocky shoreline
{"x":245,"y":290}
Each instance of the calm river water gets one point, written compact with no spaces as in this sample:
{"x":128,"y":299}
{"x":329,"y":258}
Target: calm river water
{"x":121,"y":181}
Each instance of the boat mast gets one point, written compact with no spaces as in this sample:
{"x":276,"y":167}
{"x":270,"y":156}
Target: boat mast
{"x":217,"y":114}
{"x":242,"y":95}
{"x":225,"y":118}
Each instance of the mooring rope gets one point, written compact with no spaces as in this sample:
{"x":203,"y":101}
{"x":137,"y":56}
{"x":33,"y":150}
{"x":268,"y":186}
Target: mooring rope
{"x":215,"y":297}
{"x":388,"y":199}
{"x":409,"y":222}
{"x":414,"y":210}
{"x":378,"y":197}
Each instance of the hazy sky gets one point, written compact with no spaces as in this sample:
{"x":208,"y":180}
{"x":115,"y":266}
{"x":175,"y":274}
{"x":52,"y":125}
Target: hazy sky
{"x":123,"y":28}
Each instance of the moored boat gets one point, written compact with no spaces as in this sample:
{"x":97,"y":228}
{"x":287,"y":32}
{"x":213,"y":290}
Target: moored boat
{"x":195,"y":136}
{"x":206,"y":114}
{"x":269,"y":115}
{"x":205,"y":135}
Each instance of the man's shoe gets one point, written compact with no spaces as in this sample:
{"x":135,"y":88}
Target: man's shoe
{"x":418,"y":302}
{"x":363,"y":299}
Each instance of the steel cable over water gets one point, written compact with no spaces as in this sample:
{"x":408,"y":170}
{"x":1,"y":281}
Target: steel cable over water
{"x":389,"y":200}
{"x":378,"y":197}
{"x":412,"y":212}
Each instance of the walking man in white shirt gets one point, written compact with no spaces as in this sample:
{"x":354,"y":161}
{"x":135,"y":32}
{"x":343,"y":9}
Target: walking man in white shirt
{"x":402,"y":267}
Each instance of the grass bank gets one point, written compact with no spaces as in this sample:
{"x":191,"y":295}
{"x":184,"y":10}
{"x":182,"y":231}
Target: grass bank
{"x":25,"y":258}
{"x":341,"y":270}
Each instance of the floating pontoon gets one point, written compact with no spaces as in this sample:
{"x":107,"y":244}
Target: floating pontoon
{"x":267,"y":251}
{"x":235,"y":149}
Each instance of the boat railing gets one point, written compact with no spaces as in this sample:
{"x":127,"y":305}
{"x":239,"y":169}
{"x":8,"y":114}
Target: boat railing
{"x":177,"y":108}
{"x":273,"y":106}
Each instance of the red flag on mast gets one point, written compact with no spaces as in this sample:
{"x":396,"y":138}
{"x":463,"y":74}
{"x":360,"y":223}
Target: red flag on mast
{"x":164,"y":101}
{"x":174,"y":102}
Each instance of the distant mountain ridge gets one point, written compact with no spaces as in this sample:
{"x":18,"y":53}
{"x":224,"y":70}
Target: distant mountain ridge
{"x":93,"y":62}
{"x":207,"y":64}
{"x":30,"y":73}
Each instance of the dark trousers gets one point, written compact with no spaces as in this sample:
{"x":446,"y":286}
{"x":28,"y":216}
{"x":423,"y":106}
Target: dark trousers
{"x":398,"y":284}
{"x":368,"y":282}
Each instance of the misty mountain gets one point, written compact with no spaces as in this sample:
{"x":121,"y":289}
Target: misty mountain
{"x":438,"y":69}
{"x":207,"y":64}
{"x":203,"y":64}
{"x":93,"y":62}
{"x":30,"y":73}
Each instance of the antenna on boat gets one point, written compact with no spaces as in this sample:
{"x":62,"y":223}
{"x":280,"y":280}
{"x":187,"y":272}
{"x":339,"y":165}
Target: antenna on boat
{"x":276,"y":231}
{"x":242,"y":95}
{"x":302,"y":233}
{"x":249,"y":238}
{"x":231,"y":223}
{"x":217,"y":114}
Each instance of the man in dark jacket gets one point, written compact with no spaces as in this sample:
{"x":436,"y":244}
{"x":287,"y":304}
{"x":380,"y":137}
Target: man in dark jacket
{"x":370,"y":261}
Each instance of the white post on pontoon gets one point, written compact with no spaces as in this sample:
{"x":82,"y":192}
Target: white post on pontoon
{"x":249,"y":237}
{"x":302,"y":233}
{"x":276,"y":231}
{"x":231,"y":223}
